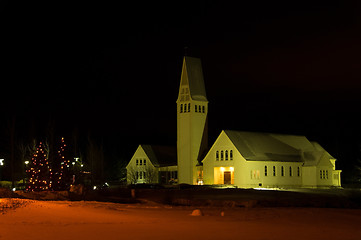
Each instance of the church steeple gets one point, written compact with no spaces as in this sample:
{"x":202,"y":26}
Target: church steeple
{"x":192,"y":109}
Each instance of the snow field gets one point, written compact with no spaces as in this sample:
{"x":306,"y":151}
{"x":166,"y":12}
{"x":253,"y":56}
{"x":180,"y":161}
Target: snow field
{"x":96,"y":220}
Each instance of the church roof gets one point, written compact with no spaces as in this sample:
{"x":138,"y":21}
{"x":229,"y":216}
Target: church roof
{"x":255,"y":146}
{"x":194,"y":73}
{"x":161,"y":156}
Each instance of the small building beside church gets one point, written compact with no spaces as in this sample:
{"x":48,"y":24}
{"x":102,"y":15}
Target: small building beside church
{"x":238,"y":158}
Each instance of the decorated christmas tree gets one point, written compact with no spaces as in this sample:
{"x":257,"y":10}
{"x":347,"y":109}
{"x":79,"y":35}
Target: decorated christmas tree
{"x":39,"y":171}
{"x":62,"y":177}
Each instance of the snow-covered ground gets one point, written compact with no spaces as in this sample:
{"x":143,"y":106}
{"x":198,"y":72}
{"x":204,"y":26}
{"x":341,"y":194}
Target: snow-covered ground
{"x":29,"y":219}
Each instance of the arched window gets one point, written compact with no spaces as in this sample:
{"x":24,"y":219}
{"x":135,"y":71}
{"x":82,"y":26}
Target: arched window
{"x":189,"y":107}
{"x":185,"y":107}
{"x":282,"y":171}
{"x":217,"y":156}
{"x":195,"y":108}
{"x":274,"y":171}
{"x":222,"y":155}
{"x":226,"y":153}
{"x":203,"y":109}
{"x":181,"y":108}
{"x":298,"y":171}
{"x":231,"y":154}
{"x":290,"y":171}
{"x":199,"y":108}
{"x":265,"y":171}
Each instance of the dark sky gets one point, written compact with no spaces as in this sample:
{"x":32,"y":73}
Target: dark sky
{"x":114,"y":70}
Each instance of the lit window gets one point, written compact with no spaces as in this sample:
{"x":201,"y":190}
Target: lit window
{"x":226,"y":153}
{"x":282,"y":171}
{"x":222,"y":155}
{"x":265,"y":171}
{"x":203,"y":109}
{"x":231,"y":154}
{"x":195,"y":108}
{"x":181,"y":108}
{"x":217,"y":156}
{"x":274,"y":171}
{"x":290,"y":171}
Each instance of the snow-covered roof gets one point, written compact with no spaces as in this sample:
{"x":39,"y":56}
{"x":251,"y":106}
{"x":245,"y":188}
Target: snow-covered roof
{"x":256,"y":146}
{"x":161,"y":156}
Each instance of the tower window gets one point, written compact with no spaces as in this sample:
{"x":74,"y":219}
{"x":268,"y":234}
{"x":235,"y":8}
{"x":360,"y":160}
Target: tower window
{"x":144,"y":162}
{"x":136,"y":162}
{"x":185,"y":107}
{"x":282,"y":171}
{"x":274,"y":171}
{"x":181,"y":108}
{"x":189,"y":107}
{"x":290,"y":171}
{"x":222,"y":155}
{"x":265,"y":171}
{"x":199,"y":108}
{"x":140,"y":162}
{"x":298,"y":171}
{"x":226,"y":153}
{"x":195,"y":108}
{"x":217,"y":156}
{"x":203,"y":109}
{"x":231,"y":154}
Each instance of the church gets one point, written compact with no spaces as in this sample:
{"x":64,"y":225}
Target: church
{"x":237,"y":158}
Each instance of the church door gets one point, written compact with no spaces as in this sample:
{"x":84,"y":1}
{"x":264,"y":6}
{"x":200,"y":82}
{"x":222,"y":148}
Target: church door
{"x":227,"y":177}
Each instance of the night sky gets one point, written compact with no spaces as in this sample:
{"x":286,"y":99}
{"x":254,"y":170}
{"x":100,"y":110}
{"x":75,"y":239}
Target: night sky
{"x":112,"y":72}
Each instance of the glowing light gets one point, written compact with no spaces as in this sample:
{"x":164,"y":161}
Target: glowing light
{"x":231,"y":168}
{"x":73,"y":163}
{"x":14,"y":189}
{"x":222,"y":169}
{"x":95,"y":187}
{"x":1,"y":162}
{"x":26,"y":162}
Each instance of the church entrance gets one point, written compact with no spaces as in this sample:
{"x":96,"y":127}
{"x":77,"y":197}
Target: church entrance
{"x":227,"y":177}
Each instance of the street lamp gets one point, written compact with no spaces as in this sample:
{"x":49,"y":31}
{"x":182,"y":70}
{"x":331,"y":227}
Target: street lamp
{"x":1,"y":162}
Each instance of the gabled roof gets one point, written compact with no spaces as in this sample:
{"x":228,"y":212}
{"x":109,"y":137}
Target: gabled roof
{"x":161,"y":156}
{"x":256,"y":146}
{"x":193,"y":76}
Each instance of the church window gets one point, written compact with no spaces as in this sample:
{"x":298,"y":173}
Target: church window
{"x":226,"y":155}
{"x":231,"y":154}
{"x":222,"y":155}
{"x":290,"y":171}
{"x":137,"y":175}
{"x":140,"y":175}
{"x":144,"y":162}
{"x":265,"y":171}
{"x":298,"y":171}
{"x":140,"y":162}
{"x":320,"y":174}
{"x":185,"y":107}
{"x":282,"y":171}
{"x":274,"y":171}
{"x":203,"y":109}
{"x":195,"y":108}
{"x":189,"y":107}
{"x":199,"y":108}
{"x":217,"y":156}
{"x":326,"y":174}
{"x":181,"y":108}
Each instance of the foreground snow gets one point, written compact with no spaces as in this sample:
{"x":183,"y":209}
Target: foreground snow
{"x":95,"y":220}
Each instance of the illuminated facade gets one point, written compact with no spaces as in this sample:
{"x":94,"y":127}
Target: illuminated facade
{"x":242,"y":159}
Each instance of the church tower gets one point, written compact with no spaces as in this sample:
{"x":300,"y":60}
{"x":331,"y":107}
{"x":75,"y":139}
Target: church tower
{"x":192,"y":111}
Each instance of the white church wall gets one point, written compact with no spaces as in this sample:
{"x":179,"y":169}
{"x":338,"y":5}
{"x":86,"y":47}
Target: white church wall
{"x":140,"y":169}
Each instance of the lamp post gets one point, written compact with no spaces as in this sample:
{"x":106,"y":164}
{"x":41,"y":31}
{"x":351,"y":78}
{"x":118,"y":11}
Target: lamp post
{"x":1,"y":164}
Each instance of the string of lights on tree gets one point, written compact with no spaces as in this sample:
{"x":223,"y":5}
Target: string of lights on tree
{"x":39,"y":170}
{"x":63,"y":177}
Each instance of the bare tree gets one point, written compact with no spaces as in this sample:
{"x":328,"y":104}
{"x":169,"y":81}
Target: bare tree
{"x":151,"y":175}
{"x":132,"y":175}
